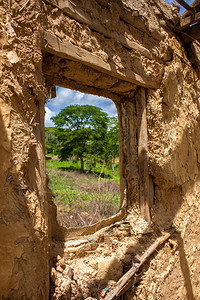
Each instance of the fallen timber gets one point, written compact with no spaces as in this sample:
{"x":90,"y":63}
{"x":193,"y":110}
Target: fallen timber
{"x":126,"y":281}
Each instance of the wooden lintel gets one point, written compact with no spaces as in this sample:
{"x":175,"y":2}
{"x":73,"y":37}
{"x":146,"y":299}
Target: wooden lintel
{"x":79,"y":15}
{"x":67,"y":50}
{"x":191,"y":19}
{"x":195,"y":5}
{"x":192,"y":33}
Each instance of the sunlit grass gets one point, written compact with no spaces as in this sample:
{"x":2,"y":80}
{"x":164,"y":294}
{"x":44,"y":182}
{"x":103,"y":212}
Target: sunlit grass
{"x":83,"y":199}
{"x":75,"y":165}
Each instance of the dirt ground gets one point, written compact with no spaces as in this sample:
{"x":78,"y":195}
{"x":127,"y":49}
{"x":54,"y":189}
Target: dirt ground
{"x":92,"y":265}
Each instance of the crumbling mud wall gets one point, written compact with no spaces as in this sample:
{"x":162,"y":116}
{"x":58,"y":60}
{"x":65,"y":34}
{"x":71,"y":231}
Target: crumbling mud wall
{"x":24,"y":241}
{"x":173,"y":125}
{"x":110,"y":48}
{"x":130,"y":52}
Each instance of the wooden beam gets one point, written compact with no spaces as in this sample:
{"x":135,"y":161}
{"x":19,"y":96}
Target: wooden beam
{"x":143,"y":153}
{"x":185,"y":5}
{"x":81,"y":16}
{"x":51,"y":92}
{"x":192,"y":33}
{"x":126,"y":280}
{"x":125,"y":15}
{"x":67,"y":50}
{"x":195,"y":5}
{"x":187,"y":18}
{"x":191,"y":19}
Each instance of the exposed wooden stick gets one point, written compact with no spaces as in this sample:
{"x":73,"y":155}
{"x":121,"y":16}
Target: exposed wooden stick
{"x":83,"y":221}
{"x":125,"y":282}
{"x":24,"y":5}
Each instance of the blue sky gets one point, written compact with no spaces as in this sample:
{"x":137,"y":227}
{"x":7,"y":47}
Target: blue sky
{"x":182,"y":9}
{"x":66,"y":97}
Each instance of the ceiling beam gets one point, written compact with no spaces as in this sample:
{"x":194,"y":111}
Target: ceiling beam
{"x":189,"y":20}
{"x":83,"y":17}
{"x":195,"y":5}
{"x":190,"y":17}
{"x":185,"y":5}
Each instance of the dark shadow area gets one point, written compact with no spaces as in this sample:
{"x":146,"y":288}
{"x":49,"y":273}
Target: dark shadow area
{"x":141,"y":246}
{"x":98,"y":174}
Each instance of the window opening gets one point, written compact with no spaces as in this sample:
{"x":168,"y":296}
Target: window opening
{"x":82,"y":157}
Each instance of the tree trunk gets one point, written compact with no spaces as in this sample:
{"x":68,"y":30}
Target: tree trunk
{"x":113,"y":167}
{"x":82,"y":164}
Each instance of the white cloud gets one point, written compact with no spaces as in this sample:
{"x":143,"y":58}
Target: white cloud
{"x":79,"y":96}
{"x":66,"y":97}
{"x":48,"y":115}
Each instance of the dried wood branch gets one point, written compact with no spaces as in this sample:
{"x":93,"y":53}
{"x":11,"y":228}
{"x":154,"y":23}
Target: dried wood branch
{"x":24,"y":5}
{"x":125,"y":282}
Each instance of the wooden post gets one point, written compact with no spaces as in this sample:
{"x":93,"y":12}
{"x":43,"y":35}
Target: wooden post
{"x":143,"y":153}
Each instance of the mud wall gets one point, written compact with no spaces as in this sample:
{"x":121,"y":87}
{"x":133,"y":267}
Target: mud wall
{"x":173,"y":125}
{"x":140,"y":48}
{"x":24,"y":242}
{"x":108,"y":49}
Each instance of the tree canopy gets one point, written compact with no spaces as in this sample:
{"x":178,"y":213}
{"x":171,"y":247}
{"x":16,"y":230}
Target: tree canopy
{"x":81,"y":132}
{"x":111,"y":150}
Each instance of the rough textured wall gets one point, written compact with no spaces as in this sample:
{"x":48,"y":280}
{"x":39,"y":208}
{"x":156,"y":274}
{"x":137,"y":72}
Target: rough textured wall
{"x":24,"y":271}
{"x":172,"y":114}
{"x":127,"y":36}
{"x":130,"y":37}
{"x":173,"y":125}
{"x":173,"y":122}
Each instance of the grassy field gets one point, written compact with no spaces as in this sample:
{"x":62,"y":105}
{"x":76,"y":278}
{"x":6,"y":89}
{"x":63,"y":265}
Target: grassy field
{"x":86,"y":198}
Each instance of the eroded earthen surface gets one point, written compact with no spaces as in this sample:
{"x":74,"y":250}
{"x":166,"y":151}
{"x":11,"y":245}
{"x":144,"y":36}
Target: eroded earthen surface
{"x":113,"y":49}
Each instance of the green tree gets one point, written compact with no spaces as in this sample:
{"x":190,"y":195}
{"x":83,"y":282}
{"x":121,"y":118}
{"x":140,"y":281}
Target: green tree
{"x":85,"y":128}
{"x":112,"y":143}
{"x":50,"y":140}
